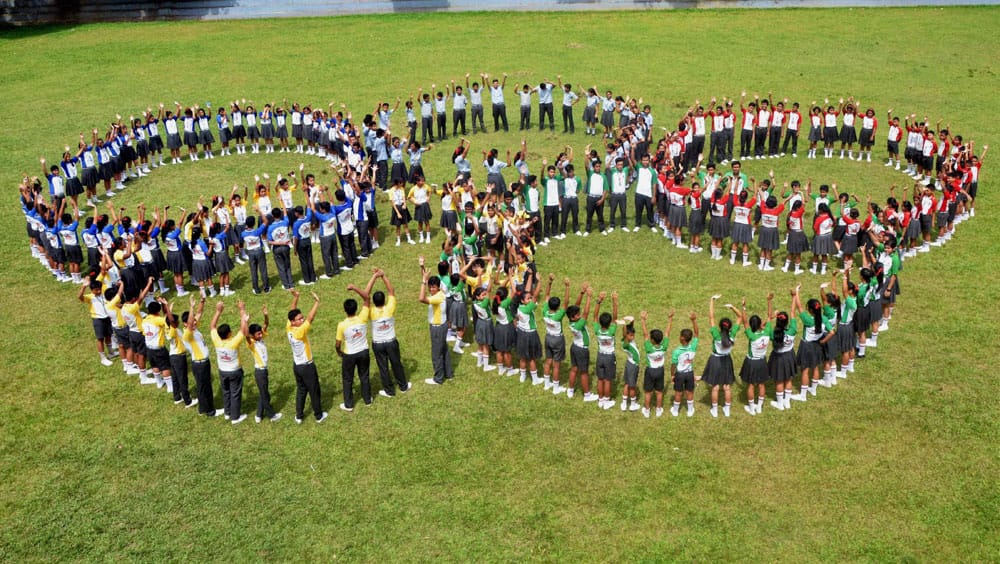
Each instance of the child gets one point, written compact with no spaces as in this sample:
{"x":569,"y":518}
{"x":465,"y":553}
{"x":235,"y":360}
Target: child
{"x":656,"y":345}
{"x":352,"y":347}
{"x":420,"y":196}
{"x":579,"y":351}
{"x":781,"y":366}
{"x":631,"y":374}
{"x":555,"y":342}
{"x":815,"y":334}
{"x":92,"y":295}
{"x":604,"y":331}
{"x":822,"y":243}
{"x":201,"y":366}
{"x":227,"y":353}
{"x":754,"y":371}
{"x":869,"y":125}
{"x":154,"y":330}
{"x":306,"y":377}
{"x":483,"y":327}
{"x":255,"y":342}
{"x":384,"y":342}
{"x":845,"y":341}
{"x":529,"y":349}
{"x":503,"y":331}
{"x":178,"y":358}
{"x":682,"y":369}
{"x":719,"y":369}
{"x":437,"y":317}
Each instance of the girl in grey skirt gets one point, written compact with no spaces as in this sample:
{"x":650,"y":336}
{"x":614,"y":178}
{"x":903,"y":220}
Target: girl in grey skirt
{"x":503,"y":331}
{"x":225,"y":134}
{"x":846,"y":339}
{"x":781,"y":366}
{"x":822,"y":243}
{"x":483,"y":327}
{"x":718,"y":225}
{"x":458,"y":313}
{"x":267,"y":128}
{"x":205,"y":137}
{"x":742,"y":234}
{"x":815,"y":334}
{"x":769,"y":240}
{"x":201,"y":268}
{"x":797,"y":241}
{"x":754,"y":371}
{"x":719,"y":369}
{"x":221,"y":262}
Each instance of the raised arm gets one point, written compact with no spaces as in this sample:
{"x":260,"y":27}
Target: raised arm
{"x":218,"y":314}
{"x":694,"y":324}
{"x":315,"y":308}
{"x":643,"y":315}
{"x":364,"y":295}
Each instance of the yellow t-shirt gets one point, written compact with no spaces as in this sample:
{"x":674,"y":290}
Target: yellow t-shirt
{"x":298,"y":338}
{"x":195,"y":344}
{"x":384,"y":321}
{"x":96,"y":305}
{"x":436,"y":314}
{"x":130,"y":312}
{"x":352,"y":333}
{"x":227,"y":351}
{"x":154,"y":329}
{"x":259,"y":351}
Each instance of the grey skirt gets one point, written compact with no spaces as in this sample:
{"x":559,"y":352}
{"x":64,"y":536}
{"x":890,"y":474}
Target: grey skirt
{"x":677,"y":216}
{"x":742,"y":233}
{"x":607,"y":119}
{"x":696,"y":222}
{"x":822,"y":245}
{"x":422,"y":213}
{"x":781,"y":366}
{"x":719,"y":370}
{"x":797,"y":242}
{"x":768,"y":238}
{"x":458,"y":315}
{"x":201,"y":270}
{"x":484,"y":332}
{"x":754,"y":371}
{"x":845,"y":339}
{"x":810,"y":354}
{"x":718,"y":227}
{"x":267,"y":130}
{"x":225,"y":134}
{"x":175,"y":262}
{"x":281,"y":132}
{"x":849,"y":244}
{"x":529,"y":347}
{"x":223,"y":264}
{"x":190,"y":138}
{"x":205,"y":137}
{"x":173,"y":141}
{"x":589,"y":114}
{"x":503,"y":337}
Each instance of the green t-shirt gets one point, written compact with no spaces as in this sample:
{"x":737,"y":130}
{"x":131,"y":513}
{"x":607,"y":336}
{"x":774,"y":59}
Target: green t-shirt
{"x":631,"y":352}
{"x":683,"y":356}
{"x":656,"y":355}
{"x":482,"y":308}
{"x":553,"y":322}
{"x":581,"y":337}
{"x":605,"y":338}
{"x":526,"y":316}
{"x":717,"y":347}
{"x":502,"y":315}
{"x":759,"y":341}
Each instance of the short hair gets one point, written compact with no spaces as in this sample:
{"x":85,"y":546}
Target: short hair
{"x":154,"y":308}
{"x":224,"y":330}
{"x":350,"y":306}
{"x":255,"y":328}
{"x":294,"y":313}
{"x":656,"y":336}
{"x":378,"y":298}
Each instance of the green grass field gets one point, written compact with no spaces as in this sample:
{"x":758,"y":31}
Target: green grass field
{"x":899,"y":462}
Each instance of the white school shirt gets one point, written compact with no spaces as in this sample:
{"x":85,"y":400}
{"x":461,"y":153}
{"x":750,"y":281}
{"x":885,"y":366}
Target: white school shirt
{"x":476,"y":96}
{"x":439,"y":105}
{"x":569,"y":98}
{"x":545,"y":93}
{"x":525,"y":97}
{"x":458,"y":101}
{"x":496,"y":94}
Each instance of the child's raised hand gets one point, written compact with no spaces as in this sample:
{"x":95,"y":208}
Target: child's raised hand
{"x":420,"y":261}
{"x":566,"y":281}
{"x":219,"y":306}
{"x":552,"y":276}
{"x":295,"y":293}
{"x":671,"y":314}
{"x":716,"y":297}
{"x":770,"y":296}
{"x":315,"y":296}
{"x":644,"y":315}
{"x":693,"y":316}
{"x":241,"y":305}
{"x":263,"y":310}
{"x":602,"y":295}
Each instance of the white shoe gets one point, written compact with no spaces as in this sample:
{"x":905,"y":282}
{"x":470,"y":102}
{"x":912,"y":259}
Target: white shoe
{"x":624,"y":405}
{"x":608,"y":404}
{"x":645,"y":412}
{"x":343,"y":407}
{"x":780,"y":406}
{"x":489,"y":367}
{"x":801,"y":396}
{"x":751,"y":408}
{"x":145,"y":380}
{"x":636,"y":230}
{"x":557,"y":389}
{"x":535,"y":381}
{"x":589,"y":397}
{"x":276,"y":417}
{"x":714,"y":411}
{"x":634,"y":406}
{"x":659,"y":412}
{"x":578,"y":234}
{"x":239,"y":419}
{"x":431,"y":382}
{"x":570,"y":392}
{"x":257,"y":419}
{"x":384,"y":394}
{"x":106,"y":361}
{"x":675,"y":410}
{"x":323,"y":417}
{"x":193,"y":403}
{"x":690,"y":411}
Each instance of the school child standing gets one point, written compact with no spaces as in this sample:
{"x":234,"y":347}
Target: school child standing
{"x":306,"y":377}
{"x":529,"y":348}
{"x":497,"y":98}
{"x":178,"y":358}
{"x":555,"y":341}
{"x":781,"y":365}
{"x":719,"y":369}
{"x":604,"y":332}
{"x":261,"y":372}
{"x":201,"y":366}
{"x":816,"y":332}
{"x":227,"y":352}
{"x":437,"y":317}
{"x":352,"y":347}
{"x":754,"y":371}
{"x":570,"y":99}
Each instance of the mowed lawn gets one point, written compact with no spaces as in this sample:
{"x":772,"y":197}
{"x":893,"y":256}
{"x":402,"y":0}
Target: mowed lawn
{"x":899,"y":462}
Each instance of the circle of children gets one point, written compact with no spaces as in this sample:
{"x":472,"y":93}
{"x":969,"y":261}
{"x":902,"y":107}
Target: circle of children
{"x":489,"y":242}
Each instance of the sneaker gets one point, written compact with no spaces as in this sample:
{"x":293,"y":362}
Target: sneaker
{"x":725,"y":410}
{"x":798,"y":397}
{"x":325,"y":277}
{"x":322,"y":418}
{"x":409,"y":386}
{"x":636,"y":230}
{"x":578,"y":234}
{"x":144,"y":380}
{"x":193,"y":403}
{"x":675,"y":410}
{"x":634,"y":407}
{"x":219,"y":412}
{"x":257,"y":419}
{"x":714,"y":411}
{"x":431,"y":382}
{"x":608,"y":404}
{"x":570,"y":392}
{"x":589,"y":397}
{"x":624,"y":405}
{"x":489,"y":367}
{"x":384,"y":394}
{"x":239,"y":419}
{"x":645,"y":413}
{"x":557,"y":389}
{"x":750,"y":408}
{"x":298,"y":421}
{"x":345,"y":408}
{"x":659,"y":412}
{"x":106,"y":361}
{"x":780,"y":406}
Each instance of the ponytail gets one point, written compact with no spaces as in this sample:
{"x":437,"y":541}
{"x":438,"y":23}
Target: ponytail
{"x":725,"y":326}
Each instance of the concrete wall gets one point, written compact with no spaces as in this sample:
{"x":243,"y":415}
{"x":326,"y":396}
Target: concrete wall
{"x":34,"y":12}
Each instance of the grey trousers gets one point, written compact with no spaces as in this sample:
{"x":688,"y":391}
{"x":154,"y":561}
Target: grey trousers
{"x":328,"y":252}
{"x":618,"y":203}
{"x":440,"y":353}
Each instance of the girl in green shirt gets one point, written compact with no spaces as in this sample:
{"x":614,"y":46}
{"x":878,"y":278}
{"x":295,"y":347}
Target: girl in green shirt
{"x":754,"y":371}
{"x":719,"y":369}
{"x":781,"y":365}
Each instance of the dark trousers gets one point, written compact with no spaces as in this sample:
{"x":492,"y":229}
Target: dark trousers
{"x":457,"y":117}
{"x":551,"y":222}
{"x":525,"y":117}
{"x":232,"y":392}
{"x":618,"y":203}
{"x":746,"y":143}
{"x":283,"y":260}
{"x":594,"y":207}
{"x":382,"y":174}
{"x":307,"y":382}
{"x":545,"y":110}
{"x":730,"y":134}
{"x":260,"y":377}
{"x":203,"y":386}
{"x":697,"y":148}
{"x":361,"y":361}
{"x":386,"y":355}
{"x":643,"y":203}
{"x":328,"y":252}
{"x":793,"y":136}
{"x":258,"y":269}
{"x":350,"y":251}
{"x":759,"y":140}
{"x":426,"y":129}
{"x":179,"y":374}
{"x":717,"y":150}
{"x":568,"y":126}
{"x":499,"y":114}
{"x":412,"y":127}
{"x":775,"y":141}
{"x":440,"y":353}
{"x":570,"y":208}
{"x":364,"y":238}
{"x":477,"y":113}
{"x":442,"y":124}
{"x":304,"y":250}
{"x":536,"y":225}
